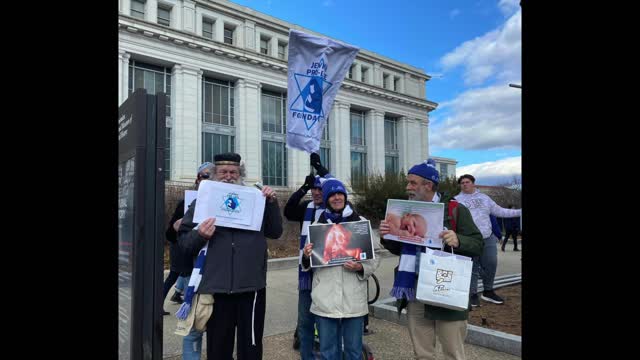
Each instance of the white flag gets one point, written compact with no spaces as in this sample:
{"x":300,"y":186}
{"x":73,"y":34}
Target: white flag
{"x":317,"y":67}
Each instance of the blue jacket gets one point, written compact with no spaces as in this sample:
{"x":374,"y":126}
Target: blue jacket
{"x":496,"y":229}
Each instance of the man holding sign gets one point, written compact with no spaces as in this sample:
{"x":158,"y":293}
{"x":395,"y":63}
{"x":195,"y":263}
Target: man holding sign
{"x":235,"y":270}
{"x":426,"y":321}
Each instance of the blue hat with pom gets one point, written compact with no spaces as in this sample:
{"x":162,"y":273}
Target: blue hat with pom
{"x":427,"y":170}
{"x":332,"y":186}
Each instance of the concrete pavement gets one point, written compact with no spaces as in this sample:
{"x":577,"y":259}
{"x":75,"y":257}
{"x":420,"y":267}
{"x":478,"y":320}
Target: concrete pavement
{"x":281,"y":315}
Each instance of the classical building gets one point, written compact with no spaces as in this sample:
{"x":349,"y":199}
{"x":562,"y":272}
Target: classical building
{"x":446,"y":166}
{"x":223,"y":67}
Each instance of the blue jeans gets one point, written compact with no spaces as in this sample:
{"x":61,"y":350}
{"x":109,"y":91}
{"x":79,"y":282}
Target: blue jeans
{"x":332,"y":330}
{"x":306,"y":319}
{"x":182,"y":283}
{"x":485,"y":265}
{"x":192,"y":345}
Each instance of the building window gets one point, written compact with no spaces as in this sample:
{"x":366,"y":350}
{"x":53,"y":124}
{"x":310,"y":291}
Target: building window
{"x":154,"y":79}
{"x":218,"y":102}
{"x":207,"y":28}
{"x":390,"y":145}
{"x":214,"y":143}
{"x":264,"y":46}
{"x":363,"y":74}
{"x":164,"y":16}
{"x":218,"y":132}
{"x":396,"y":84}
{"x":358,"y":151}
{"x":282,"y":51}
{"x":228,"y":34}
{"x":274,"y":127}
{"x":357,"y":128}
{"x":350,"y":76}
{"x":273,"y":112}
{"x":325,"y":148}
{"x":443,"y":171}
{"x":137,"y":9}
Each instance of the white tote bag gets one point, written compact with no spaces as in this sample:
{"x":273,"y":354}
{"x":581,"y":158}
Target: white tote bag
{"x":444,"y":279}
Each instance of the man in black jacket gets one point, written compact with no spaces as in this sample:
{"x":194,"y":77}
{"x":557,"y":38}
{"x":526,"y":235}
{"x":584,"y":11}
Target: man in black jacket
{"x":235,"y":269}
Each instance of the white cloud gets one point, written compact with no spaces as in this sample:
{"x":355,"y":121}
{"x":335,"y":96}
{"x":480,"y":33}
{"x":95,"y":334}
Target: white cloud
{"x":508,"y":7}
{"x":494,"y":172}
{"x":454,"y":13}
{"x":479,"y":119}
{"x":497,"y":53}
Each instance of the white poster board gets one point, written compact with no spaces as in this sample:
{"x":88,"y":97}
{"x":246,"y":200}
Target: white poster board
{"x":415,"y":222}
{"x":233,"y":206}
{"x":189,"y":196}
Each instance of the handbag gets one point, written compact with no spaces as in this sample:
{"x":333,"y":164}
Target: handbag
{"x":444,"y":279}
{"x":199,"y":315}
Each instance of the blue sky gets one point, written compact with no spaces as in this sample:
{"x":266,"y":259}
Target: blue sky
{"x":472,"y":50}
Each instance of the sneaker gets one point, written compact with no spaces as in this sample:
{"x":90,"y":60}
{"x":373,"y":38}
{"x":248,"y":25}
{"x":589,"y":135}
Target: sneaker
{"x":516,"y":250}
{"x":164,"y":312}
{"x":491,"y":296}
{"x":176,"y":298}
{"x":474,"y":300}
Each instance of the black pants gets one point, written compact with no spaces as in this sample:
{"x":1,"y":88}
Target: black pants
{"x":231,"y":311}
{"x":513,"y":233}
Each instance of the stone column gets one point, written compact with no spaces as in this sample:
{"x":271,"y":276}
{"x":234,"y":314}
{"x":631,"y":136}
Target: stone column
{"x":377,"y":75}
{"x":249,"y":35}
{"x":125,"y":7}
{"x":219,"y":33}
{"x":188,"y":18}
{"x":151,"y":11}
{"x":123,"y":76}
{"x":186,"y":127}
{"x":403,"y":144}
{"x":341,"y":142}
{"x":248,"y":127}
{"x":375,"y":141}
{"x":357,"y":72}
{"x":424,"y":136}
{"x":400,"y":88}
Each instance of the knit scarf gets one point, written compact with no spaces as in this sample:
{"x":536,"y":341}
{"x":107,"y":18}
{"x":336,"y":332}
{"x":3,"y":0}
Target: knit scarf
{"x":337,"y":218}
{"x":405,"y":281}
{"x":306,"y":277}
{"x":194,"y":282}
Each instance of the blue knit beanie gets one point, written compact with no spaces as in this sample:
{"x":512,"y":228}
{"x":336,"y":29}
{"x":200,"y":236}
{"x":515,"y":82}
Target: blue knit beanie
{"x":332,"y":186}
{"x":427,"y":170}
{"x":317,"y":183}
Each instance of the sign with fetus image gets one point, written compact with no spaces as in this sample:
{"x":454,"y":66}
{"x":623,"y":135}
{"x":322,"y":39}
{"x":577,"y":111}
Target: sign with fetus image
{"x":336,"y":244}
{"x":415,"y":222}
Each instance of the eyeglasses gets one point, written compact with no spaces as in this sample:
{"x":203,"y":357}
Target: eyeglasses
{"x":205,"y":176}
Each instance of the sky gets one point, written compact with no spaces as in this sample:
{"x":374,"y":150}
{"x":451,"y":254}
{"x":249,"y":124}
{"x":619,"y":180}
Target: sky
{"x":470,"y":48}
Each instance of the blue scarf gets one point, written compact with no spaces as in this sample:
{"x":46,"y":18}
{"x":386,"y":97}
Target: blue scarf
{"x":306,"y":277}
{"x":194,"y":282}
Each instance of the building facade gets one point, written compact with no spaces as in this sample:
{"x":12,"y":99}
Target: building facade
{"x":446,"y":166}
{"x":224,"y":69}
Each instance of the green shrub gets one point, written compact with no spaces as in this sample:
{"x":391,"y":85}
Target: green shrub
{"x":371,"y":195}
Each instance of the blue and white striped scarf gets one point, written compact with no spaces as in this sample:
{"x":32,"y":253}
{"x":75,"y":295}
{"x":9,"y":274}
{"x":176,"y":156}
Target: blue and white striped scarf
{"x":305,"y":278}
{"x":194,"y":282}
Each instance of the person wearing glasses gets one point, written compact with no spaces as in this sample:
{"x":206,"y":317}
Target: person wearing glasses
{"x":235,"y":268}
{"x":485,"y":265}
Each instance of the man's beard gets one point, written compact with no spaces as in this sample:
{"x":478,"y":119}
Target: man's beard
{"x":235,"y":182}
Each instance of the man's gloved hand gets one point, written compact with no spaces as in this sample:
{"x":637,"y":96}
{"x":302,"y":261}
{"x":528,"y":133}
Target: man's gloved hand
{"x":308,"y":183}
{"x":315,"y":162}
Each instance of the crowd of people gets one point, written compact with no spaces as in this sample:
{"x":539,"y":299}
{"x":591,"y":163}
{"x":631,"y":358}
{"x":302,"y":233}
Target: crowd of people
{"x":230,"y":264}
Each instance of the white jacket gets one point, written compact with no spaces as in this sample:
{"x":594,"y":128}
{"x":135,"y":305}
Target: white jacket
{"x":340,"y":293}
{"x":481,"y":206}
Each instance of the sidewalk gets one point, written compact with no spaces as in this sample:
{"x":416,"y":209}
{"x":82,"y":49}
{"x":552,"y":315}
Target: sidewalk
{"x":390,"y":341}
